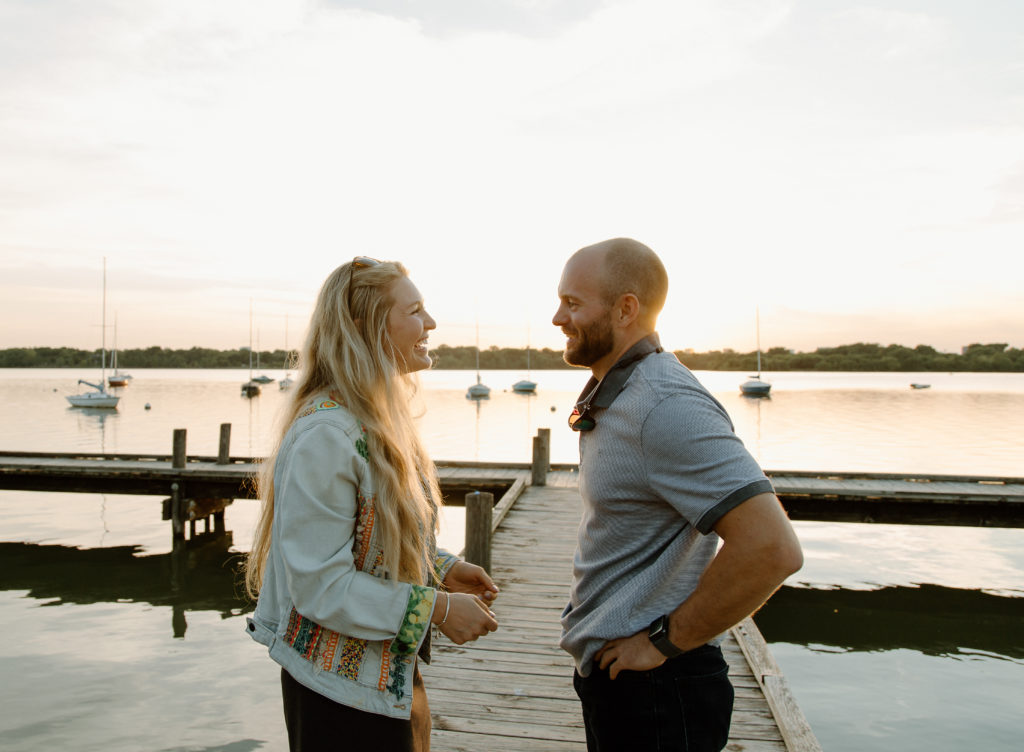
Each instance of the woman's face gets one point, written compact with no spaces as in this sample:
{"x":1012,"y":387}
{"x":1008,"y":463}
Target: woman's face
{"x":408,"y":325}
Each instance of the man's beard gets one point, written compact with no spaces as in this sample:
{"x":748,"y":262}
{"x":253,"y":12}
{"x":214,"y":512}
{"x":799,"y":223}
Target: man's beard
{"x":592,"y":344}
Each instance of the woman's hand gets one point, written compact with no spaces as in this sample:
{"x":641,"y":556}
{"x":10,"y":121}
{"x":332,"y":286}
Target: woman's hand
{"x":464,"y":577}
{"x":468,"y":618}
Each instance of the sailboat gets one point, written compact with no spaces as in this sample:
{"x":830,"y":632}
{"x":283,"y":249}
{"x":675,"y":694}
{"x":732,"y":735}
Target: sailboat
{"x":117,"y":378}
{"x":250,"y":388}
{"x":100,"y":397}
{"x":755,"y":387}
{"x":262,"y":378}
{"x":526,"y":386}
{"x":286,"y":383}
{"x":479,"y":390}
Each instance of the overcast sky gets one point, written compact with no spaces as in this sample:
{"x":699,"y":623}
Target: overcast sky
{"x":854,"y":170}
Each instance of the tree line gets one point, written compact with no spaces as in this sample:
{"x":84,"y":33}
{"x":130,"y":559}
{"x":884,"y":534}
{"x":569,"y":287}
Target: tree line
{"x":857,"y":357}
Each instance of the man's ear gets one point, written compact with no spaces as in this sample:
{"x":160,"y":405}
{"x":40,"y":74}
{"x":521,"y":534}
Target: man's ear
{"x":628,"y":309}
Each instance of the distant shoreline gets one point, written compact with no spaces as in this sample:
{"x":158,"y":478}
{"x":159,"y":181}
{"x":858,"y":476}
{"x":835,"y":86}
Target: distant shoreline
{"x":862,"y":357}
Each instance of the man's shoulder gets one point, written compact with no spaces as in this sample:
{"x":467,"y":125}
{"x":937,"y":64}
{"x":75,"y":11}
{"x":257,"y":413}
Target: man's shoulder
{"x":662,"y":375}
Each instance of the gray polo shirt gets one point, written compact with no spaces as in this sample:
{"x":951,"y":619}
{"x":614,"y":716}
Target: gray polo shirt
{"x":661,"y":466}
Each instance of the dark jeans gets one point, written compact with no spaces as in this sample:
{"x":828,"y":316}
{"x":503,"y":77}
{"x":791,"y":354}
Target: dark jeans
{"x":318,"y":724}
{"x":685,"y":704}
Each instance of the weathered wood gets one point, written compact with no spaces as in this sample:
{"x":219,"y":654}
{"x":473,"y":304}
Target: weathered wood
{"x":513,"y":689}
{"x":479,"y":508}
{"x":796,"y":731}
{"x":178,"y":451}
{"x":539,"y":467}
{"x":983,"y":501}
{"x":224,"y":445}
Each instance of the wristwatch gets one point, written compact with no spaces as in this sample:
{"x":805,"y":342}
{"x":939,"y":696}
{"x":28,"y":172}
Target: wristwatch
{"x":658,"y":633}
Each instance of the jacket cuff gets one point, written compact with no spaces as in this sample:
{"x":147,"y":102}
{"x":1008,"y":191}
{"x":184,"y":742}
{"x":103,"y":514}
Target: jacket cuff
{"x":443,"y":562}
{"x":416,"y":621}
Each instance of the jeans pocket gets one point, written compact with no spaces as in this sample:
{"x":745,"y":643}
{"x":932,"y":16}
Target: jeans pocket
{"x":705,"y":709}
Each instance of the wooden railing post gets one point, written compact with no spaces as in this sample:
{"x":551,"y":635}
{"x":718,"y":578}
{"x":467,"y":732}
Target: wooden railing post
{"x":479,"y":509}
{"x":541,"y":457}
{"x":178,"y":449}
{"x":225,"y":443}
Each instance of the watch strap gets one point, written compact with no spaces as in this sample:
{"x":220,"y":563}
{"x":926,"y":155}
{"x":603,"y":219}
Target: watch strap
{"x":658,"y":634}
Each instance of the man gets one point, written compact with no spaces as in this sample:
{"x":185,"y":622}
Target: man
{"x":663,"y":478}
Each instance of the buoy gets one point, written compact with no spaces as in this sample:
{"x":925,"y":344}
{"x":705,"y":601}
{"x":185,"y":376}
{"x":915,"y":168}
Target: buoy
{"x":552,"y":408}
{"x":147,"y":405}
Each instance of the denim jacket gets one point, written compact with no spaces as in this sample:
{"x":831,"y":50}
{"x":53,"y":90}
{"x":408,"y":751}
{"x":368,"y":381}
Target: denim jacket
{"x":326,"y":612}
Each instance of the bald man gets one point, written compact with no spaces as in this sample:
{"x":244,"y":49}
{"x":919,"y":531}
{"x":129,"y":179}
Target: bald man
{"x":663,"y":478}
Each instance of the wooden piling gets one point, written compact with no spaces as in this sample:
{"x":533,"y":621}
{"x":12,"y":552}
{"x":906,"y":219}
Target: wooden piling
{"x":178,"y":449}
{"x":541,"y":457}
{"x":225,"y":444}
{"x":479,"y":507}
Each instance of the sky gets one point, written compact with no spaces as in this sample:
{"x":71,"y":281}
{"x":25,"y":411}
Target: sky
{"x":838,"y":171}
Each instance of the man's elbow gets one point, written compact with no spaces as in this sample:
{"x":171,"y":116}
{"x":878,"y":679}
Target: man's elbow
{"x":787,"y":558}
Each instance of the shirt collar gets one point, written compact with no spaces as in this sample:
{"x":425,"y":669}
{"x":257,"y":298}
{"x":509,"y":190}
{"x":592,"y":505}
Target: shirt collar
{"x":603,"y":393}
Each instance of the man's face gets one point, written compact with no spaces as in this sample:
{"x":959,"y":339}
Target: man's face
{"x":582,"y":314}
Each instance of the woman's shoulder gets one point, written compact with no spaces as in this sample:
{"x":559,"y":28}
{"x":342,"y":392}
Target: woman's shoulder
{"x":325,"y":411}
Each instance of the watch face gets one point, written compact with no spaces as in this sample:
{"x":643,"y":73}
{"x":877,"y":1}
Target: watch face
{"x":657,"y":628}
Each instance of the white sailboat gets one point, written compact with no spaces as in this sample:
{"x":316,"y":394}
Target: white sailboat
{"x":755,"y":387}
{"x":99,"y":397}
{"x":286,"y":383}
{"x":117,"y":378}
{"x":526,"y":386}
{"x":262,"y":378}
{"x":479,"y":390}
{"x":250,"y":388}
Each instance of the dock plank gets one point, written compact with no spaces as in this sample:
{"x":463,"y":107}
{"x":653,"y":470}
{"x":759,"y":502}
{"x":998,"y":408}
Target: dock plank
{"x":512,"y":691}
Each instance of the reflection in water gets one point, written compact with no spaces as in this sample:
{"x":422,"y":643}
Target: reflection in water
{"x":209,"y":579}
{"x":930,"y":619}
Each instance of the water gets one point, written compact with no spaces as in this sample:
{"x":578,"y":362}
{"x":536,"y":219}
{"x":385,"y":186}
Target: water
{"x":894,"y":637}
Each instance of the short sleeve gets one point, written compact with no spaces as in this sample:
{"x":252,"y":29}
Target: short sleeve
{"x":695,"y":461}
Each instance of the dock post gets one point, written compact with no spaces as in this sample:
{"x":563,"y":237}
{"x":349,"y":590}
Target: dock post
{"x":225,"y":443}
{"x":479,"y":508}
{"x":178,"y":450}
{"x":541,"y":457}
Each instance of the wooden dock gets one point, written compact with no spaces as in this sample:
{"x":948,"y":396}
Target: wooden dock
{"x":512,"y":691}
{"x":916,"y":499}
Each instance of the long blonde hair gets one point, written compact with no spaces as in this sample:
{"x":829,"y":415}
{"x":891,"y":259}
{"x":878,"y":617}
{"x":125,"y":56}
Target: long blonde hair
{"x":348,"y":353}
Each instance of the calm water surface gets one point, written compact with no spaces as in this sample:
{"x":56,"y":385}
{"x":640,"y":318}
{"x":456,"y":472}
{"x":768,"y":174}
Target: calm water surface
{"x":892,"y":637}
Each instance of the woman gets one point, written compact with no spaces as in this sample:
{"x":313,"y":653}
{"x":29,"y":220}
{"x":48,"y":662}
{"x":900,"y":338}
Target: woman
{"x":344,"y":561}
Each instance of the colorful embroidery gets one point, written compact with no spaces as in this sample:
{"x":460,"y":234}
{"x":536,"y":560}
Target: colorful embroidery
{"x":364,"y":529}
{"x":385,"y":666}
{"x":397,"y":686}
{"x":351,"y":659}
{"x":443,"y":562}
{"x":416,"y":622}
{"x":302,"y":634}
{"x":361,"y":446}
{"x":327,"y":404}
{"x":328,"y":647}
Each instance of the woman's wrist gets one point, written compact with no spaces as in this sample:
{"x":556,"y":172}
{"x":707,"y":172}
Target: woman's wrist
{"x":447,"y":606}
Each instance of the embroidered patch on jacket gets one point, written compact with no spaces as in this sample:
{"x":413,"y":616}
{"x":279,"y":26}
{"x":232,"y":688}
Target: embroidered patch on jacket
{"x":302,"y":634}
{"x":351,"y":658}
{"x":361,"y":446}
{"x":364,"y":530}
{"x":416,"y":621}
{"x":327,"y":404}
{"x":397,"y":685}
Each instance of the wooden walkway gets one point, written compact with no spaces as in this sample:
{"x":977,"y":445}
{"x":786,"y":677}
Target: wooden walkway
{"x":512,"y":691}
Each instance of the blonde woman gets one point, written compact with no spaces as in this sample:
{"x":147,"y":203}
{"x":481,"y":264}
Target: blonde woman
{"x":344,"y":561}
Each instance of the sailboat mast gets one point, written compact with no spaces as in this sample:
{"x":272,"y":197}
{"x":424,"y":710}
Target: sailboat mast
{"x":757,"y":314}
{"x":250,"y":339}
{"x":103,"y":338}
